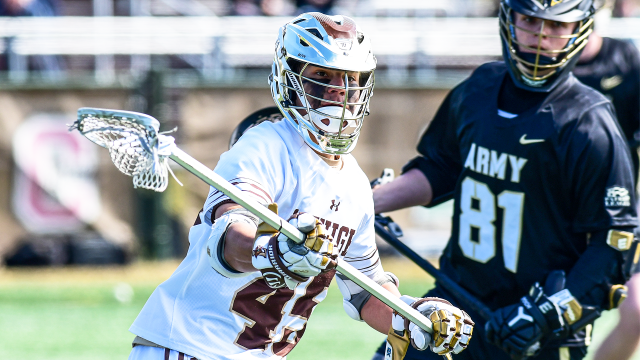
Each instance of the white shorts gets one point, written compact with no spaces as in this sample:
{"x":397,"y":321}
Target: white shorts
{"x":140,"y":352}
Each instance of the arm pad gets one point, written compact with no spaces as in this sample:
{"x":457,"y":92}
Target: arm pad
{"x":215,"y":243}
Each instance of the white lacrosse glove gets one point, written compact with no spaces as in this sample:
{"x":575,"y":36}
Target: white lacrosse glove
{"x":452,"y":327}
{"x":282,"y":262}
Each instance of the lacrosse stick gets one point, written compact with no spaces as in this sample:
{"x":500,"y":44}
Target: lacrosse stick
{"x":139,"y":150}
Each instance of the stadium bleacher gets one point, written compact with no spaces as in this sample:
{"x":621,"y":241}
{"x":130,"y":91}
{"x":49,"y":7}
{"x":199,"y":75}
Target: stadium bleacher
{"x":220,"y":47}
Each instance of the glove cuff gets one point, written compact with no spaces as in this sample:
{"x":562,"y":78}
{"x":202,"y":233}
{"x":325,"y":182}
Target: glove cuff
{"x":273,"y":270}
{"x":397,"y":344}
{"x":274,"y":257}
{"x":263,"y":227}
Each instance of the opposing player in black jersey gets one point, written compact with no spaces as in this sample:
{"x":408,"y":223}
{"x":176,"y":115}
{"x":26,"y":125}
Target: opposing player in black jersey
{"x":612,"y":67}
{"x":542,"y":182}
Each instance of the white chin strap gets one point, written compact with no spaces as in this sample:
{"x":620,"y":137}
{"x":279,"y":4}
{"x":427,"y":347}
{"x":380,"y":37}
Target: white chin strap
{"x":330,"y":124}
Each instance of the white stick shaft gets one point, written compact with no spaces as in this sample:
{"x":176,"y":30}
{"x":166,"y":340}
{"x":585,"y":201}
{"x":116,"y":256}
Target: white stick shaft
{"x":385,"y":296}
{"x":215,"y":180}
{"x":208,"y":176}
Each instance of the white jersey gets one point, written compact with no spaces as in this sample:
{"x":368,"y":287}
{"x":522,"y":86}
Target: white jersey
{"x":203,"y":314}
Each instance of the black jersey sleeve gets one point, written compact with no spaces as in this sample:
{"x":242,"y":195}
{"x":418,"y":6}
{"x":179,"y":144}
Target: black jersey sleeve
{"x":604,"y":198}
{"x":439,"y":158}
{"x":598,"y":268}
{"x":633,"y":59}
{"x":599,"y":168}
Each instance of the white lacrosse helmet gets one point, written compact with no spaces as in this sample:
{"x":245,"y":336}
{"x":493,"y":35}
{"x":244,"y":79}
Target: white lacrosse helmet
{"x":329,"y":126}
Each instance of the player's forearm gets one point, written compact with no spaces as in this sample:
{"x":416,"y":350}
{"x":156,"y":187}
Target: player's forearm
{"x":238,"y":247}
{"x":598,"y":267}
{"x":238,"y":242}
{"x":378,"y":315}
{"x":590,"y":278}
{"x":410,"y":189}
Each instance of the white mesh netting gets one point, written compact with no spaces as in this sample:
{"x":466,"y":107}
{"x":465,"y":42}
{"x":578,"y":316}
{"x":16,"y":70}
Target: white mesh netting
{"x":132,"y":143}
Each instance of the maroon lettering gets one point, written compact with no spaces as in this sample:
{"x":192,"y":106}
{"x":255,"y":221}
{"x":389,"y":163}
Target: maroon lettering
{"x":327,"y":225}
{"x":339,"y":241}
{"x":335,"y":228}
{"x":342,"y":242}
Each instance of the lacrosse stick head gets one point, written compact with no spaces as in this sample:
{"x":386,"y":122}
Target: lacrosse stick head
{"x":136,"y":147}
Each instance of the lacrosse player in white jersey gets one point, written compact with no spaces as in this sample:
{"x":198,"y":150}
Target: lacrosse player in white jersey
{"x":245,"y":291}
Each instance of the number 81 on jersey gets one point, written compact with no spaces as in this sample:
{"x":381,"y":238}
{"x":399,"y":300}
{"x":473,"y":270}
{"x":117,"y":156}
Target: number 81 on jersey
{"x":477,"y":237}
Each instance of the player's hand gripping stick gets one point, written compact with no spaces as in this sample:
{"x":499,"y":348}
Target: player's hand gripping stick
{"x":283,"y":262}
{"x":452,"y":329}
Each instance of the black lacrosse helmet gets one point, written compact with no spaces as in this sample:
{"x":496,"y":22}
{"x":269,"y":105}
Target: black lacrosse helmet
{"x":271,"y":113}
{"x":535,"y":71}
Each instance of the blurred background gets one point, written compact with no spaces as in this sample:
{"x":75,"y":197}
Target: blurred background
{"x":82,"y":250}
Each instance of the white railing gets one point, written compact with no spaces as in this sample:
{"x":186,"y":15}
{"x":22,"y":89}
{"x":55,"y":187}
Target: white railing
{"x":232,"y":42}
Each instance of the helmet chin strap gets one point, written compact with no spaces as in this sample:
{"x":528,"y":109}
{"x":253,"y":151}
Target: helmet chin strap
{"x":327,"y":120}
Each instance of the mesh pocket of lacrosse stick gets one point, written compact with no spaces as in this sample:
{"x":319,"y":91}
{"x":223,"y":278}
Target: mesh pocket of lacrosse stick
{"x":136,"y":147}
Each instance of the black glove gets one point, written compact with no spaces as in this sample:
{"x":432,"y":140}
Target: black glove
{"x":520,"y":329}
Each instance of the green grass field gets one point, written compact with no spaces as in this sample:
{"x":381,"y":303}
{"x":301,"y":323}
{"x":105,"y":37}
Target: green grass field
{"x":74,"y":313}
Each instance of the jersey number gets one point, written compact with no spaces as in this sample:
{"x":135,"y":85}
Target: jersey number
{"x":477,"y":231}
{"x":273,"y":316}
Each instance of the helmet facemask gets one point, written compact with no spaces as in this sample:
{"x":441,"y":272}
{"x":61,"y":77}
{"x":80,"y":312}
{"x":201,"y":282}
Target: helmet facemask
{"x":536,"y":67}
{"x":333,"y":114}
